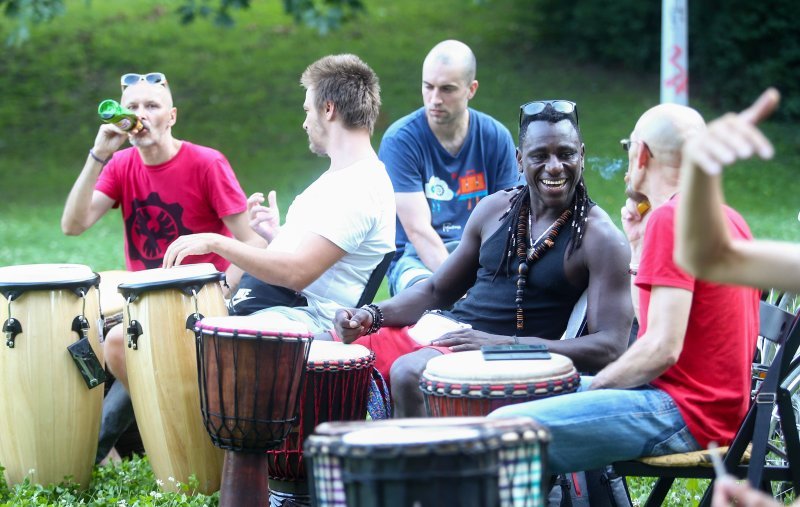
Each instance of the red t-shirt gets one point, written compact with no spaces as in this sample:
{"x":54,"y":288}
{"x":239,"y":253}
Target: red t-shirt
{"x":188,"y":194}
{"x":710,"y":383}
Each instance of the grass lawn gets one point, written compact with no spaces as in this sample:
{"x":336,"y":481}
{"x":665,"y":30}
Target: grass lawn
{"x":238,"y":90}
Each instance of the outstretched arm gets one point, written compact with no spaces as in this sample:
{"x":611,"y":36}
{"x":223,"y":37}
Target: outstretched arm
{"x":703,"y":244}
{"x":294,"y":270}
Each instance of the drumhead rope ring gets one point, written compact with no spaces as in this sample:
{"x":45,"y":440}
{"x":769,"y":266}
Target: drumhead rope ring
{"x":545,"y":388}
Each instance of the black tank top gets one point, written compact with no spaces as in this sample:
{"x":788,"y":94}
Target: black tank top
{"x":489,"y":305}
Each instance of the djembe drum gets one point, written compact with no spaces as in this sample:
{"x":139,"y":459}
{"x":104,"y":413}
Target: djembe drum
{"x":250,"y":370}
{"x":336,"y":388}
{"x":49,"y":414}
{"x":465,"y":384}
{"x":455,"y":461}
{"x":162,"y":369}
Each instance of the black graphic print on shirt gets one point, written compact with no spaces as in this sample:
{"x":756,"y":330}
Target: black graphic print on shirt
{"x":151,"y":227}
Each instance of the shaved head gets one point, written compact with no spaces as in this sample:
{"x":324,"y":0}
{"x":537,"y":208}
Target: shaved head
{"x":454,"y":54}
{"x":665,"y":128}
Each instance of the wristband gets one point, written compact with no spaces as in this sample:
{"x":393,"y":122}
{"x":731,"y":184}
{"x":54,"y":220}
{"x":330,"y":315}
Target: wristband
{"x":98,"y":159}
{"x":377,"y":317}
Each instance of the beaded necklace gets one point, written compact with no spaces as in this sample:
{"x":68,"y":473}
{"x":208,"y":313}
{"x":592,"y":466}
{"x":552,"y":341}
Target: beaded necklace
{"x":528,"y":256}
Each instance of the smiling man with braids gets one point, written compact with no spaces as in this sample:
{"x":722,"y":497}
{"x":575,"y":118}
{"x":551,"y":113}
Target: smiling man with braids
{"x":526,"y":256}
{"x":686,"y":380}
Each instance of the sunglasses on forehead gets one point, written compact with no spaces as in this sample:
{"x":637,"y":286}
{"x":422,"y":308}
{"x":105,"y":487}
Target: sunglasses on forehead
{"x":153,"y":78}
{"x":531,"y":110}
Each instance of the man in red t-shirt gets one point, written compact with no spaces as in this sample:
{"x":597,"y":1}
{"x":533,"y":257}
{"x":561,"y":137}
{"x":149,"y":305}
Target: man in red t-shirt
{"x":686,"y":380}
{"x":165,"y":187}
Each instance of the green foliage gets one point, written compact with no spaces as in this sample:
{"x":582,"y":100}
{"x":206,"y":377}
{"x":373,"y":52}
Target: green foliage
{"x":684,"y":492}
{"x":237,"y":90}
{"x":736,"y":48}
{"x":129,"y":483}
{"x":322,"y":15}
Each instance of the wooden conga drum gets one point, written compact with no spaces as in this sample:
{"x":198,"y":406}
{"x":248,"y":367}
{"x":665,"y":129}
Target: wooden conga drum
{"x":465,"y":384}
{"x":162,"y":369}
{"x":445,"y":462}
{"x":250,"y":370}
{"x":336,"y":388}
{"x":50,"y":418}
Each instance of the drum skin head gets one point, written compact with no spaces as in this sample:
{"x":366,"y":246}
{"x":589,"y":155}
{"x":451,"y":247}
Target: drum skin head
{"x":470,"y":367}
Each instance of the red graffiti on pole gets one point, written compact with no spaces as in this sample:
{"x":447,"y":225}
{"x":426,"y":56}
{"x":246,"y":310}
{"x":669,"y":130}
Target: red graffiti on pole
{"x":680,"y":80}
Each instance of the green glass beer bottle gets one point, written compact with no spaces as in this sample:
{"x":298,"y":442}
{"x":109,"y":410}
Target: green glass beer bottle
{"x":111,"y":111}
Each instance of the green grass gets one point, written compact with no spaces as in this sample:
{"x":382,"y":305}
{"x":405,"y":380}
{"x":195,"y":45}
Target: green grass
{"x":237,"y":90}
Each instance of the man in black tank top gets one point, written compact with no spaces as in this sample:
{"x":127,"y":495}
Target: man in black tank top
{"x":525,"y":257}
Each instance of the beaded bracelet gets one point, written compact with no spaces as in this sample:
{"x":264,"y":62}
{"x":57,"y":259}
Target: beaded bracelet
{"x":98,"y":159}
{"x":377,"y":317}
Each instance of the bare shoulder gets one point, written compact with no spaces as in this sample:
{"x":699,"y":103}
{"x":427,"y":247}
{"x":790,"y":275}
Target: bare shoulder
{"x":605,"y":240}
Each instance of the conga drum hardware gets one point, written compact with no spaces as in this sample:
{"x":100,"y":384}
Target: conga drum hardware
{"x":61,"y":412}
{"x":162,"y":369}
{"x":464,"y":384}
{"x":190,"y":288}
{"x":13,"y":327}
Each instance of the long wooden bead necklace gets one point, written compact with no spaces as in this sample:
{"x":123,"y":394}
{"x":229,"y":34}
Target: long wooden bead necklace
{"x":529,"y":255}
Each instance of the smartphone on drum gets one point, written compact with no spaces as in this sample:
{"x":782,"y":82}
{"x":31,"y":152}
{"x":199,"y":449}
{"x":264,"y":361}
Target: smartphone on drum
{"x":514,"y":352}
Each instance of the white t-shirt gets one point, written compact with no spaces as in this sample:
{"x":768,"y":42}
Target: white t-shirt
{"x":354,"y":209}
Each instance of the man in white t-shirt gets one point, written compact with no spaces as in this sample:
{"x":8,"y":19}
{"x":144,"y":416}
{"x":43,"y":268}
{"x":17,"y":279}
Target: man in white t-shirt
{"x":340,"y":227}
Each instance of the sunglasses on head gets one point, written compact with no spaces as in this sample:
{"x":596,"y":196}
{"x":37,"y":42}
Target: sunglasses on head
{"x":153,"y":78}
{"x":531,"y":110}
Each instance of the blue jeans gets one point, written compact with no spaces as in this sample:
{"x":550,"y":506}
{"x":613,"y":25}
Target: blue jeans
{"x":591,"y":429}
{"x":409,"y":268}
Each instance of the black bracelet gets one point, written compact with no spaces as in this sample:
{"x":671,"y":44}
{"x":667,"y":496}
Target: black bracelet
{"x":98,"y":159}
{"x":377,"y":317}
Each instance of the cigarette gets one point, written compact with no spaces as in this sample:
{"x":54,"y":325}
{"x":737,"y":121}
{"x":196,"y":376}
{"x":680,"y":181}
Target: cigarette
{"x":716,"y":460}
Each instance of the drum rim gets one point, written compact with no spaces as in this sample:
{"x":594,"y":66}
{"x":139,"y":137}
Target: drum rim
{"x":498,"y":390}
{"x":128,"y":289}
{"x":77,"y":285}
{"x":250,"y":334}
{"x":358,"y":363}
{"x":486,"y":439}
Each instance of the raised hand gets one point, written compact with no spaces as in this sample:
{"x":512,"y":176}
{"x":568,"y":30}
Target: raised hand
{"x":633,"y":222}
{"x":264,"y":220}
{"x":733,"y":137}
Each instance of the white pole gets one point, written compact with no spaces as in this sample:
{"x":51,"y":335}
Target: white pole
{"x":674,"y":52}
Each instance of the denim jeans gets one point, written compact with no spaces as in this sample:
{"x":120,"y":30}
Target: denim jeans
{"x":409,"y":269}
{"x":590,"y":429}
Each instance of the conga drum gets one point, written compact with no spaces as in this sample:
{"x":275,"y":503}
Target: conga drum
{"x":250,"y":370}
{"x":336,"y":388}
{"x":50,"y":417}
{"x":465,"y":384}
{"x":162,"y":369}
{"x":455,"y":461}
